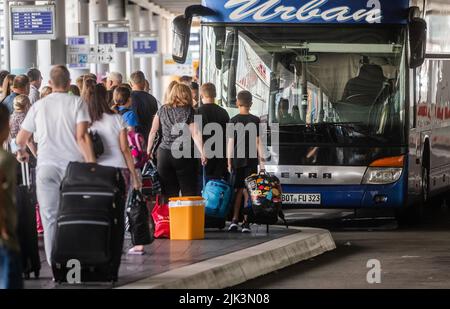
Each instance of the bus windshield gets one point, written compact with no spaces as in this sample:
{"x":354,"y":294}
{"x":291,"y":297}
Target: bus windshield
{"x":349,"y":79}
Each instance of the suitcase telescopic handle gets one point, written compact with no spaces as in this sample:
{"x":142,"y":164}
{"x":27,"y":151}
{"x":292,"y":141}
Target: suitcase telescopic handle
{"x":25,"y":174}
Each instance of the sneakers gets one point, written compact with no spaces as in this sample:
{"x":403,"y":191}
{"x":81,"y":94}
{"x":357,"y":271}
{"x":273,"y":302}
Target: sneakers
{"x":233,"y":226}
{"x":246,"y":227}
{"x":136,"y":251}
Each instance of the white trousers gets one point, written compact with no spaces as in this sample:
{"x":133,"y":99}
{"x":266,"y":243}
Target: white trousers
{"x":48,"y":182}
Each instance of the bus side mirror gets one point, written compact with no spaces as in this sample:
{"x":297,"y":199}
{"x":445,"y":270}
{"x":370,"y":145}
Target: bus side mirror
{"x":182,"y":30}
{"x":417,"y":42}
{"x":181,"y":36}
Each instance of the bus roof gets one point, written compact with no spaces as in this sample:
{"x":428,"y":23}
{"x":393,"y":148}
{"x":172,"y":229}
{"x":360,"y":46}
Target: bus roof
{"x":309,"y":11}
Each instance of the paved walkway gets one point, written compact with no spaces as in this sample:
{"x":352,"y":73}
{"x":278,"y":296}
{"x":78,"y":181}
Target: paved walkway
{"x":165,"y":256}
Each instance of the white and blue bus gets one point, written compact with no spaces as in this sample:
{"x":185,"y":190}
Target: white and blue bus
{"x":359,"y":90}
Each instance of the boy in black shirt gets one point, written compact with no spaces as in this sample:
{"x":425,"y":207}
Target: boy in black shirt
{"x":216,"y":167}
{"x":244,"y":149}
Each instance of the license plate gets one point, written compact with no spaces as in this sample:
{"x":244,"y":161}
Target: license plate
{"x":301,"y":199}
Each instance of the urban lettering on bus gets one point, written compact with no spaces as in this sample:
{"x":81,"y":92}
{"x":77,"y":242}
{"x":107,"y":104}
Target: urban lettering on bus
{"x":272,"y":9}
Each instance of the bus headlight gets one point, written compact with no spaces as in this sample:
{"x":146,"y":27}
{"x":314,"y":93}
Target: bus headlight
{"x":382,"y":175}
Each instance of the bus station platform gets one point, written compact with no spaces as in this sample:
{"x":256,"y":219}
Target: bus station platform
{"x":221,"y":260}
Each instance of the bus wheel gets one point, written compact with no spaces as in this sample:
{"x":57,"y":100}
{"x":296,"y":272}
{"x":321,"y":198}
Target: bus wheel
{"x":425,"y":186}
{"x":413,"y":214}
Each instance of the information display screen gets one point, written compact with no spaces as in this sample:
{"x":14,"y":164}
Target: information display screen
{"x":145,"y":47}
{"x":33,"y":22}
{"x":118,"y":36}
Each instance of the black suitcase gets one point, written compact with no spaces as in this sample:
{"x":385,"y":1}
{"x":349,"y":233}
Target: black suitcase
{"x":214,"y":223}
{"x":90,"y":224}
{"x":26,"y":226}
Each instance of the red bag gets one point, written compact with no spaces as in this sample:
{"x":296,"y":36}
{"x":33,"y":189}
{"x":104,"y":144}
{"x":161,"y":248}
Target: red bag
{"x":39,"y":226}
{"x":160,"y":215}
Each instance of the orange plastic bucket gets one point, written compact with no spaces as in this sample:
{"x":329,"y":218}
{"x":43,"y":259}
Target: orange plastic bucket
{"x":187,"y":218}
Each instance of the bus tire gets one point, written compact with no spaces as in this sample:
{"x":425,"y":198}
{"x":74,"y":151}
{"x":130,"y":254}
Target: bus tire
{"x":414,"y":213}
{"x":425,"y":194}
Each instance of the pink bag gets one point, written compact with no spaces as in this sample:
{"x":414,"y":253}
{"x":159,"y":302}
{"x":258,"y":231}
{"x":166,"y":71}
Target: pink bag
{"x":39,"y":226}
{"x":137,"y":148}
{"x":160,"y":215}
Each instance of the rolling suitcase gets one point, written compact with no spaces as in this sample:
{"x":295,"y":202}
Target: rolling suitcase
{"x":26,"y":226}
{"x":218,"y":197}
{"x":90,"y":224}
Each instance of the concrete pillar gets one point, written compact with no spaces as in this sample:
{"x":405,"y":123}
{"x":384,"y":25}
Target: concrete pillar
{"x":157,"y":77}
{"x":116,"y":11}
{"x":164,"y":37}
{"x":145,"y":25}
{"x":77,"y":23}
{"x":22,"y":54}
{"x":6,"y":41}
{"x":133,"y":16}
{"x":52,"y":52}
{"x":83,"y":26}
{"x":154,"y":84}
{"x":98,"y":10}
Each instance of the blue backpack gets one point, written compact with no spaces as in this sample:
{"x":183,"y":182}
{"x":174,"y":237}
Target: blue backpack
{"x":217,"y":195}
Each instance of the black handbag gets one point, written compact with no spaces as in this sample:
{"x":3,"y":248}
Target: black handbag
{"x":97,"y":143}
{"x":150,"y":171}
{"x":138,"y":219}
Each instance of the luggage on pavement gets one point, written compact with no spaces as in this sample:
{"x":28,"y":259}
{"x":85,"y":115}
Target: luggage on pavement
{"x":26,"y":226}
{"x":138,"y":218}
{"x":187,"y":218}
{"x":90,"y":224}
{"x":215,"y":223}
{"x":39,"y":226}
{"x":217,"y":194}
{"x":264,"y":198}
{"x":161,"y":221}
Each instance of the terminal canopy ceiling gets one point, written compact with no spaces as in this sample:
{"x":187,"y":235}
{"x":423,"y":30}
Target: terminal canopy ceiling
{"x":176,"y":7}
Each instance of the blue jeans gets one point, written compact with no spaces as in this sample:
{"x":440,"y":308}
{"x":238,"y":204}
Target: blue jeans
{"x":10,"y":270}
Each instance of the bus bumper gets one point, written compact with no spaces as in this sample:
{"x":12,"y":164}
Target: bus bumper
{"x":353,"y":196}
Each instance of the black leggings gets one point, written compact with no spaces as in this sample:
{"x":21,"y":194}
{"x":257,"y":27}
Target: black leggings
{"x":177,"y":174}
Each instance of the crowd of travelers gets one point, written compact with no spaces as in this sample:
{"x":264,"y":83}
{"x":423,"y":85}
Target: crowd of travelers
{"x":51,"y":126}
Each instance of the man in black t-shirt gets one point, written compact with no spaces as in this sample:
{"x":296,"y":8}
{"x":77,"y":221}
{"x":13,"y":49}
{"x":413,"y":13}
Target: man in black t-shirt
{"x":212,"y":113}
{"x":144,"y":104}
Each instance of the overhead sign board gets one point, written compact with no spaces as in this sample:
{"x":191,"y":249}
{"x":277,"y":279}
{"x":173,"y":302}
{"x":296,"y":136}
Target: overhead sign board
{"x":102,"y":53}
{"x":80,"y":53}
{"x":33,"y":22}
{"x":118,"y":36}
{"x":309,"y":11}
{"x":78,"y":50}
{"x":145,"y":47}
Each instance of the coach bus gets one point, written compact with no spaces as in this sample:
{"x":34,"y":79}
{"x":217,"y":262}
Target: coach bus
{"x":358,"y":91}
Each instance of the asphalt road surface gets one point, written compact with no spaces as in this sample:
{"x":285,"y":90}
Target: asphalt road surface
{"x":409,"y":257}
